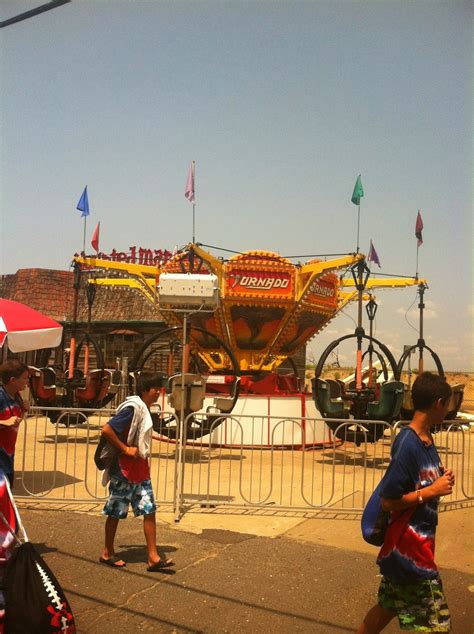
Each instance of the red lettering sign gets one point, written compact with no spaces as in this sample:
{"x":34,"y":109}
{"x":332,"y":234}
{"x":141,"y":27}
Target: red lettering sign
{"x":241,"y":282}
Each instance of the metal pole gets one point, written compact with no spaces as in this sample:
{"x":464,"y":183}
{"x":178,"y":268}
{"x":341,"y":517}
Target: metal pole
{"x":371,"y":381}
{"x":72,"y":345}
{"x":194,"y":200}
{"x":358,"y":226}
{"x":359,"y":332}
{"x":84,"y":240}
{"x":124,"y":384}
{"x":421,"y":341}
{"x":358,"y":271}
{"x":179,"y":471}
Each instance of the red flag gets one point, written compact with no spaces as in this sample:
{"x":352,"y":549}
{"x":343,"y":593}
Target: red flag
{"x":419,"y":228}
{"x":95,"y":238}
{"x":189,"y":191}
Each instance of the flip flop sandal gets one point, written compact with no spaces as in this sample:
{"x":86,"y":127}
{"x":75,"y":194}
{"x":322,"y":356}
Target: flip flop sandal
{"x":159,"y":565}
{"x":112,"y":562}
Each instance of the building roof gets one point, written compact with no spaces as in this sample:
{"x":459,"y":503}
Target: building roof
{"x":52,"y":293}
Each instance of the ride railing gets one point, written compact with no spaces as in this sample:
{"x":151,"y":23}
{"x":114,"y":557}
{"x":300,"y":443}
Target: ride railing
{"x":230,"y":467}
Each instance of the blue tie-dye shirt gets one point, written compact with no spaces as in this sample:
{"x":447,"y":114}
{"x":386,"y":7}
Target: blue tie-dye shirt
{"x":407,"y":554}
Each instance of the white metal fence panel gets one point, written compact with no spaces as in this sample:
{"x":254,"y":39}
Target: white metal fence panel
{"x":241,"y":461}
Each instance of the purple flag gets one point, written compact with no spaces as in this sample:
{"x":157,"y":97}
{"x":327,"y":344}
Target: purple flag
{"x":373,"y":256}
{"x":189,"y":191}
{"x":419,"y":228}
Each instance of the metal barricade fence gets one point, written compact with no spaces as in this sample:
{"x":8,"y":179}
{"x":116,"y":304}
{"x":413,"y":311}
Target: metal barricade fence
{"x":54,"y":460}
{"x":229,"y":465}
{"x":221,"y":469}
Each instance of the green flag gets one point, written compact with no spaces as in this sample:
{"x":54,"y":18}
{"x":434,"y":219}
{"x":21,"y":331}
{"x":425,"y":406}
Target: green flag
{"x":358,"y":192}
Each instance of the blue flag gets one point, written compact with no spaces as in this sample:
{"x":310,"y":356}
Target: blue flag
{"x":83,"y":204}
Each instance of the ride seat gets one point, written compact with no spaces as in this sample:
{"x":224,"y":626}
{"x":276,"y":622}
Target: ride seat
{"x":335,"y":390}
{"x":41,"y":391}
{"x":387,"y":408}
{"x":192,"y":390}
{"x":96,"y":387}
{"x":456,"y":400}
{"x":225,"y":404}
{"x":49,"y":376}
{"x":329,"y":407}
{"x":115,"y":381}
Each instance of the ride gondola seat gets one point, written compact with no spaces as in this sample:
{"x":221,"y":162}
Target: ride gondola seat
{"x":456,"y":400}
{"x":387,"y":408}
{"x":43,"y":391}
{"x":192,"y":389}
{"x":335,"y":390}
{"x":329,"y":407}
{"x":96,"y":387}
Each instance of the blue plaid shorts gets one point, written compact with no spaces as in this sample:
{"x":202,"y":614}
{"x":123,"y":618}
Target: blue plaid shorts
{"x":122,"y":494}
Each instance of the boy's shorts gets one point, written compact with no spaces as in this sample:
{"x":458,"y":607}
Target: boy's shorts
{"x":122,"y":494}
{"x":419,"y":606}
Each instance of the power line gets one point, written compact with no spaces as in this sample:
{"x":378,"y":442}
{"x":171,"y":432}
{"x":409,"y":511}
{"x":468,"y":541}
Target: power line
{"x":29,"y":14}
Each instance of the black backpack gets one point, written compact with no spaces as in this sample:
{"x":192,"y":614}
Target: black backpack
{"x":35,"y":603}
{"x":105,"y":454}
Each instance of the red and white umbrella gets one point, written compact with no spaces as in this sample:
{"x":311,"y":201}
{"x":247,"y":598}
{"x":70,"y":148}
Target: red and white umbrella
{"x":26,"y":329}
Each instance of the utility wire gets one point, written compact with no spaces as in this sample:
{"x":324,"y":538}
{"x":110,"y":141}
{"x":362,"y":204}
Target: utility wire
{"x":29,"y":14}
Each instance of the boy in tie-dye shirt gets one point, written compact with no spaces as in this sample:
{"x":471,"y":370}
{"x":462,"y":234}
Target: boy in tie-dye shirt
{"x":411,"y":587}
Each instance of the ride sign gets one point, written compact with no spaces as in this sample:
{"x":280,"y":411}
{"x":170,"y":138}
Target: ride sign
{"x":252,"y":283}
{"x":323,"y":292}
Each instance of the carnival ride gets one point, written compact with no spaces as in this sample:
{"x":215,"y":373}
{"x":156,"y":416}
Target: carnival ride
{"x":67,"y":385}
{"x":234,"y":327}
{"x":406,"y":410}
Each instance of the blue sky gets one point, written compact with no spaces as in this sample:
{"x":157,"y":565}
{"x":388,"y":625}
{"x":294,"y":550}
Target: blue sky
{"x":281,"y":105}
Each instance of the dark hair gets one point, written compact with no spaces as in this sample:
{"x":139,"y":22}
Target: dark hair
{"x":12,"y":368}
{"x":427,"y":389}
{"x":147,"y":380}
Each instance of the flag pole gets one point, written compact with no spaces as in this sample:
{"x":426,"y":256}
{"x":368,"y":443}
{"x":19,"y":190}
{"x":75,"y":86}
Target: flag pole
{"x":356,"y":196}
{"x":194,"y":201}
{"x":84,"y":240}
{"x":189,"y":193}
{"x":419,"y":237}
{"x":358,"y":225}
{"x":83,"y":206}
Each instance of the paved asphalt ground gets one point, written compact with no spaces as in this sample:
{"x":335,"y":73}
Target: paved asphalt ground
{"x":235,"y":573}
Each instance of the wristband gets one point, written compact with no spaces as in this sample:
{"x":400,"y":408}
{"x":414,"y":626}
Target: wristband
{"x":419,"y":496}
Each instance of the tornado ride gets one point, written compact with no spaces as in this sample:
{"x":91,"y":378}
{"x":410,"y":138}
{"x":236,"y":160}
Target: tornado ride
{"x":237,"y":356}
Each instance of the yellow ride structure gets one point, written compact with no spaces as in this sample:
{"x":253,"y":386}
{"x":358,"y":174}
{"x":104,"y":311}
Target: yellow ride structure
{"x":268,"y":307}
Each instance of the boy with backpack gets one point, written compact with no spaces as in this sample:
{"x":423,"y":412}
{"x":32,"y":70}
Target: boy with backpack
{"x":411,"y":587}
{"x":129,"y":434}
